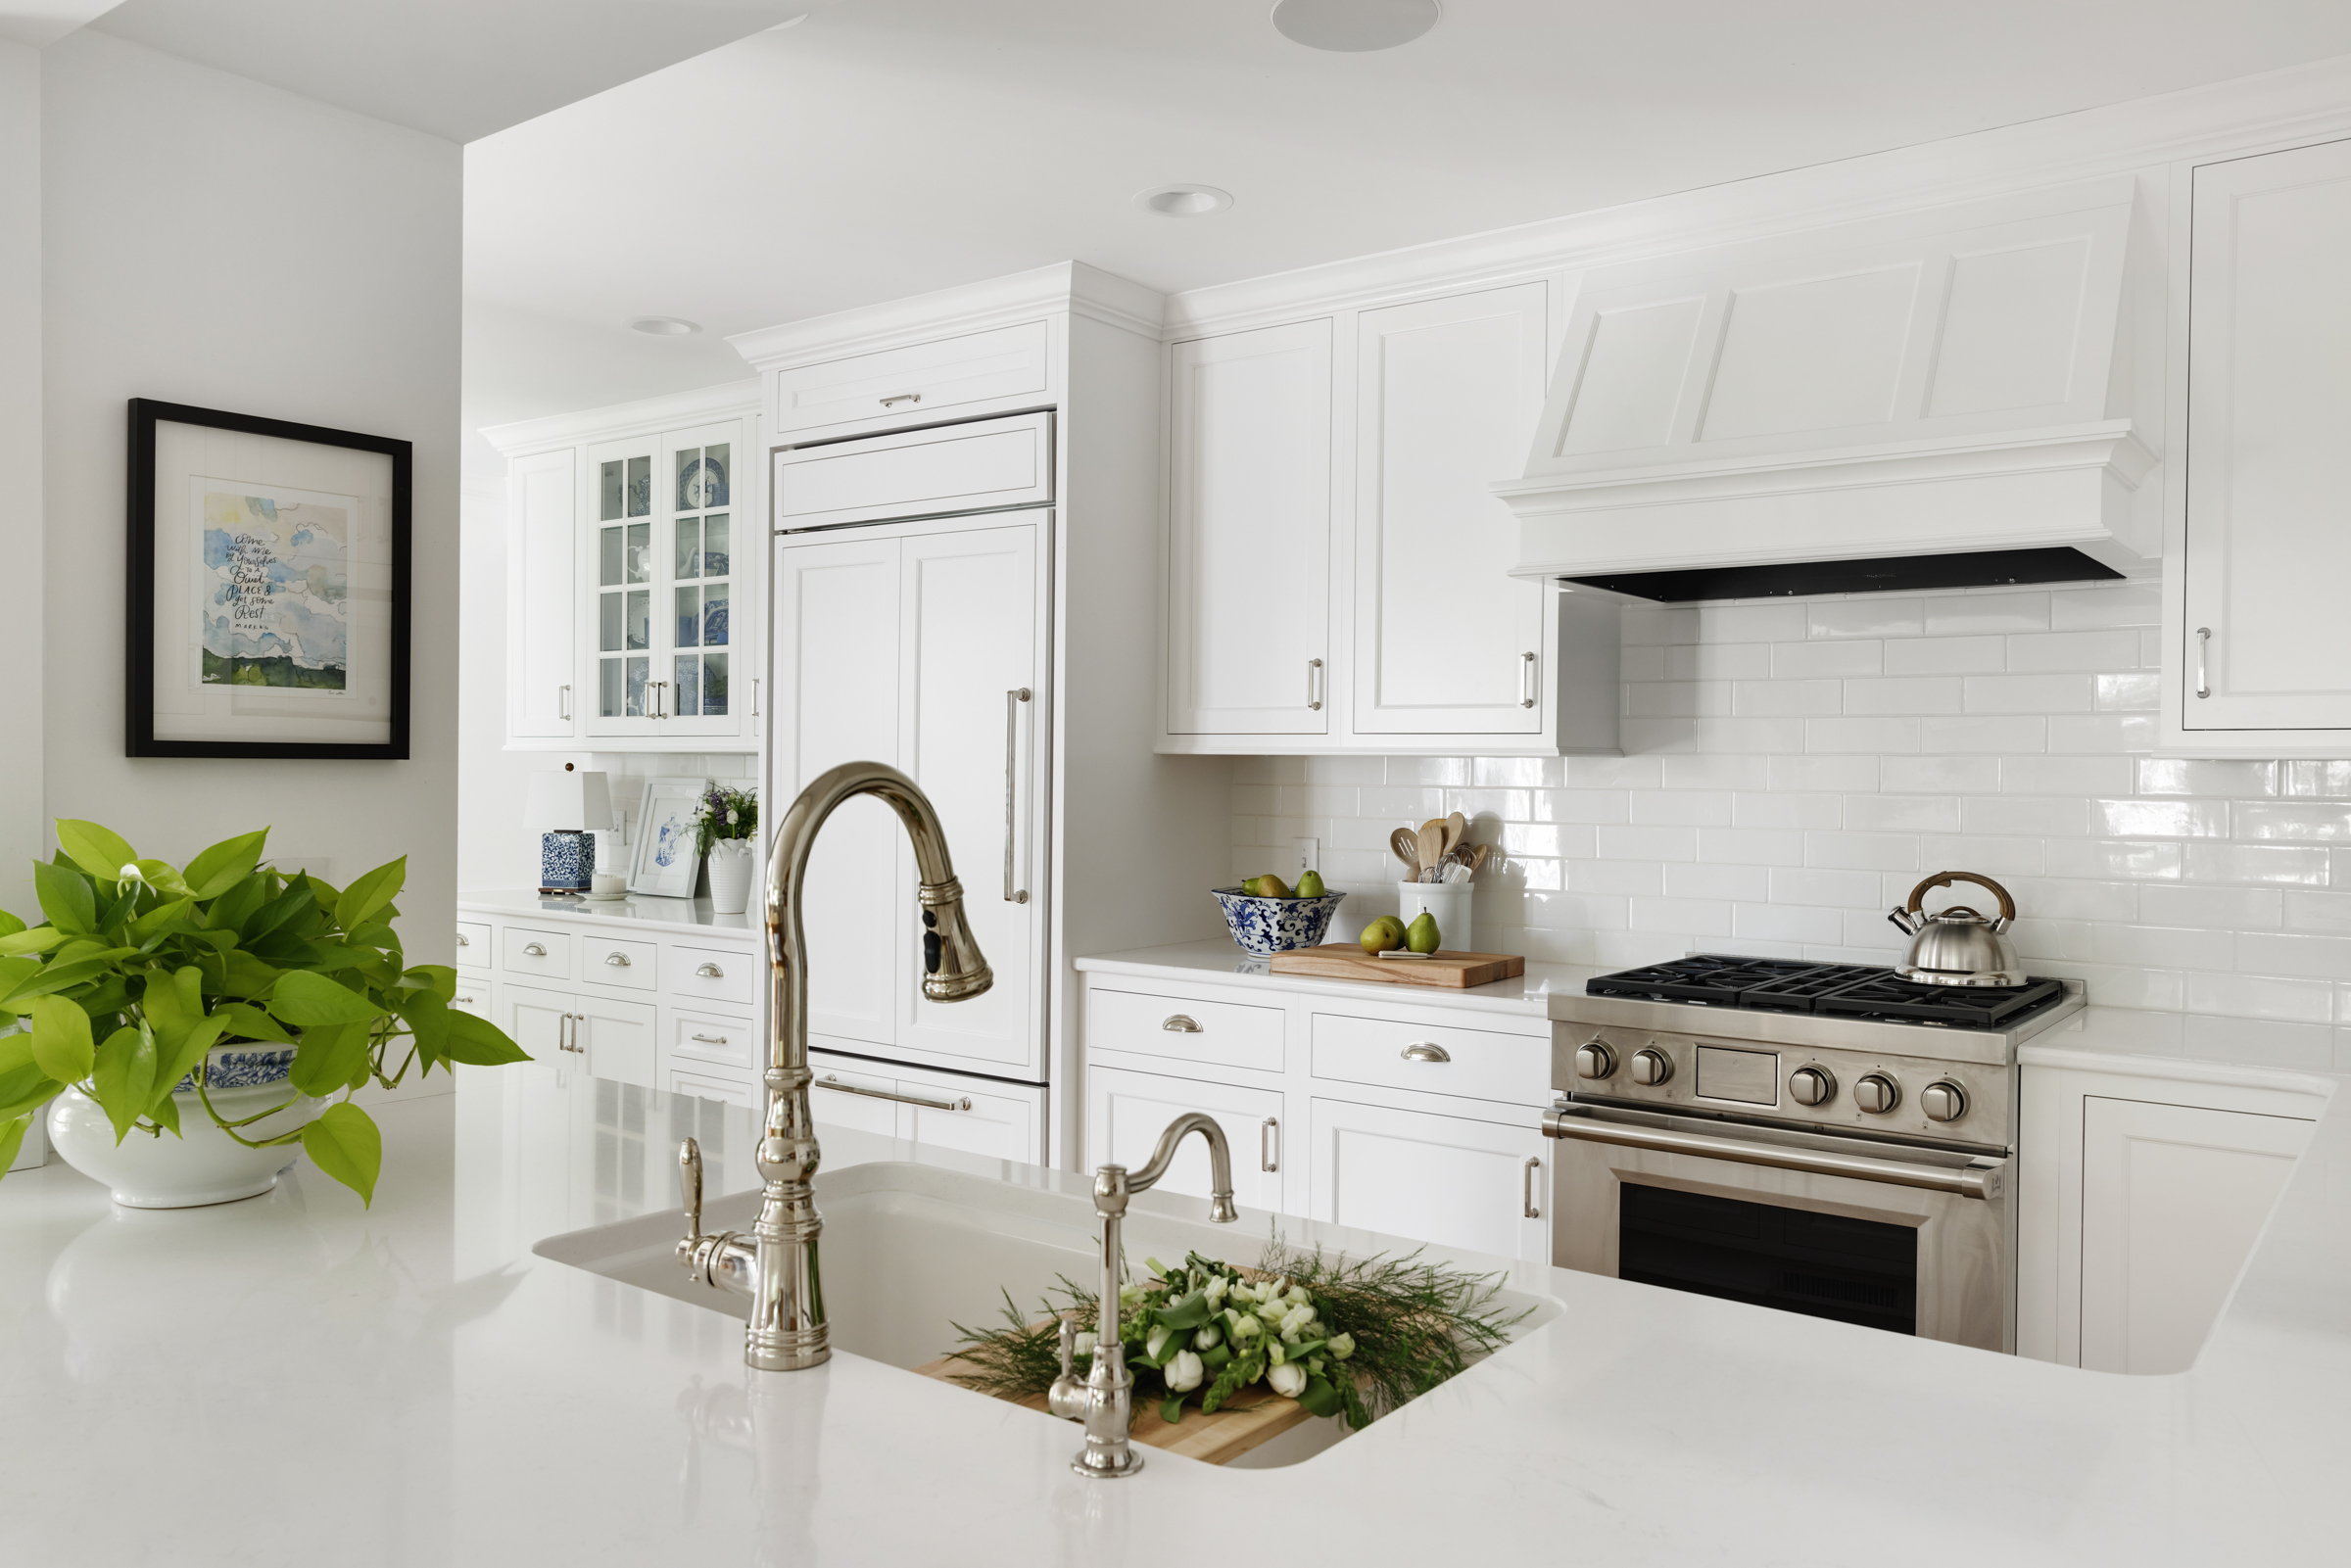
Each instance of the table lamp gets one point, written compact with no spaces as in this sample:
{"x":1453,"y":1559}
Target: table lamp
{"x":565,"y":810}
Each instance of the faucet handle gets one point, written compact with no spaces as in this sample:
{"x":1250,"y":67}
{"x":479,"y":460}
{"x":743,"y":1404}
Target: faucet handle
{"x":1069,"y":1344}
{"x":690,"y":1187}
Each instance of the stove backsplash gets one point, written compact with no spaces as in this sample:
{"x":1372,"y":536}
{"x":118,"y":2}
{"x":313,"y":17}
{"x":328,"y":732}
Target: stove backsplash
{"x":1794,"y":766}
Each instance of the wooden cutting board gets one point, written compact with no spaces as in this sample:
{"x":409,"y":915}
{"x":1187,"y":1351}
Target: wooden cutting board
{"x":1347,"y":961}
{"x":1254,"y":1416}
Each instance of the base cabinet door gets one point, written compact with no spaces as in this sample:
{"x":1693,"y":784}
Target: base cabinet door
{"x":2173,"y":1199}
{"x":1126,"y":1112}
{"x":618,"y":1039}
{"x":1451,"y":1180}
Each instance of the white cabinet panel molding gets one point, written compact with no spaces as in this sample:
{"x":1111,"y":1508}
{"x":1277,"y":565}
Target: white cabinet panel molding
{"x":1125,"y":1113}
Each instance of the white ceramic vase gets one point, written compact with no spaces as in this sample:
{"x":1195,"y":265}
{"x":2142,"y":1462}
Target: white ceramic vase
{"x":203,"y":1164}
{"x":729,"y":875}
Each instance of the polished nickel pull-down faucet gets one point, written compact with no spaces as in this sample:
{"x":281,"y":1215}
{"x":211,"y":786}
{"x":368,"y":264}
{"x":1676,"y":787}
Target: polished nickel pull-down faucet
{"x":775,"y":1264}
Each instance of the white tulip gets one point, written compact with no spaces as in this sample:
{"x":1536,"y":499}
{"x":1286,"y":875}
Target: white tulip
{"x":1288,"y":1380}
{"x":1158,"y":1341}
{"x":1183,"y":1374}
{"x":1341,"y":1347}
{"x":1085,"y":1344}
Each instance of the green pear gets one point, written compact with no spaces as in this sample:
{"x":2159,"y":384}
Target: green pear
{"x":1382,"y":935}
{"x":1422,"y":936}
{"x":1310,"y":885}
{"x":1266,"y":886}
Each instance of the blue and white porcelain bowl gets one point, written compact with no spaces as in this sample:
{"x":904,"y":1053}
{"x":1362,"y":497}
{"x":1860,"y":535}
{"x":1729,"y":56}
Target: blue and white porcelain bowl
{"x":248,"y":1065}
{"x":203,"y":1164}
{"x":1267,"y":925}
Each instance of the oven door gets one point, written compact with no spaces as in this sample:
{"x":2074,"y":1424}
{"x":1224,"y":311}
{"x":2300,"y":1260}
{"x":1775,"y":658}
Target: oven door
{"x":1919,"y":1241}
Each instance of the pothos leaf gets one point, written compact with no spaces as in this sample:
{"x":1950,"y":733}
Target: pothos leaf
{"x":66,"y":897}
{"x":329,"y":1055}
{"x":369,"y":893}
{"x":303,"y":999}
{"x":11,"y":1138}
{"x":346,"y":1144}
{"x":124,"y":1076}
{"x":60,"y":1039}
{"x":100,"y":851}
{"x":226,"y":864}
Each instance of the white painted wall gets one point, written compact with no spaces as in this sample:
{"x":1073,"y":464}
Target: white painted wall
{"x":1793,"y":767}
{"x":22,"y":828}
{"x":215,"y":241}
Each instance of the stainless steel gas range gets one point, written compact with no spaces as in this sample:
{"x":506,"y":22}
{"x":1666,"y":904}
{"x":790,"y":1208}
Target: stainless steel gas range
{"x":1820,"y":1138}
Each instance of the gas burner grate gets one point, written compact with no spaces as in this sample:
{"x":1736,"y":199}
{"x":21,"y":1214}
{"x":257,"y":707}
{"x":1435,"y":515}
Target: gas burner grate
{"x":1802,"y":993}
{"x":1712,"y":978}
{"x":1961,"y":1007}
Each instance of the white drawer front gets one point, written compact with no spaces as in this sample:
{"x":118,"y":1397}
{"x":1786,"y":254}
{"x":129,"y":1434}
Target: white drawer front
{"x":474,"y":996}
{"x":605,"y":960}
{"x":541,"y":954}
{"x":1476,"y":1063}
{"x":833,"y":1102}
{"x":985,"y":465}
{"x":726,"y":1042}
{"x":1231,"y":1034}
{"x":473,"y":945}
{"x":712,"y":975}
{"x":703,"y":1086}
{"x":976,"y":1116}
{"x":916,"y":381}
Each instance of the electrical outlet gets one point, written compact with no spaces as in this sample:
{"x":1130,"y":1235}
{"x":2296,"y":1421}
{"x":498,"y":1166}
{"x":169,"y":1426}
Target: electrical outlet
{"x":1306,"y":855}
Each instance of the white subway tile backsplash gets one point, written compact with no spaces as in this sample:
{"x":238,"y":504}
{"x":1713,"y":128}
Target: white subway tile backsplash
{"x":1792,"y":767}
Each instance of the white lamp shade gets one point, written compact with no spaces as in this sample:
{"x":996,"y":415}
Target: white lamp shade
{"x":572,"y":801}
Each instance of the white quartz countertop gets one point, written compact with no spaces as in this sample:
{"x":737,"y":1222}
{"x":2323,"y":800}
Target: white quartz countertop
{"x":1220,"y":963}
{"x":675,"y":915}
{"x":295,"y":1380}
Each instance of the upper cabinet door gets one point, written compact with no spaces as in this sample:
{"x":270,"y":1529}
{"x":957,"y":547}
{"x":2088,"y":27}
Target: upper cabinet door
{"x":919,"y":381}
{"x":544,"y":698}
{"x":1446,"y":396}
{"x":2269,"y":519}
{"x":624,"y":582}
{"x":1249,"y":533}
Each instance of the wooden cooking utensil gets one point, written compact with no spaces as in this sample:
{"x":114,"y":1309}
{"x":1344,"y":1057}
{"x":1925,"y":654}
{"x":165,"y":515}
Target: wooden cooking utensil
{"x":1432,"y":845}
{"x":1456,"y":832}
{"x":1405,"y":846}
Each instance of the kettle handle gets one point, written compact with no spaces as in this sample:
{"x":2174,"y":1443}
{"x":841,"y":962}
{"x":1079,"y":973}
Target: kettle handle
{"x":1944,"y":878}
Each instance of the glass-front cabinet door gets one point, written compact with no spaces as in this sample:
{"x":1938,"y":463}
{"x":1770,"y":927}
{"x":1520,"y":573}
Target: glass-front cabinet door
{"x":664,"y":528}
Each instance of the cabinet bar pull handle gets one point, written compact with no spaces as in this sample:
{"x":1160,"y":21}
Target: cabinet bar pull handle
{"x":1528,"y":685}
{"x":563,"y":703}
{"x":902,"y":397}
{"x":1313,"y":684}
{"x":617,"y":959}
{"x":1268,"y":1129}
{"x":710,"y":972}
{"x":1012,"y":735}
{"x":1526,"y":1184}
{"x":2203,"y":670}
{"x":1180,"y":1023}
{"x":467,"y":1000}
{"x":711,"y":1039}
{"x":961,"y":1102}
{"x":1973,"y":1181}
{"x":754,"y":697}
{"x":1425,"y":1051}
{"x":534,"y":950}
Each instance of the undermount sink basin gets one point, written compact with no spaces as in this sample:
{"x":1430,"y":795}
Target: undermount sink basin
{"x":909,"y":1250}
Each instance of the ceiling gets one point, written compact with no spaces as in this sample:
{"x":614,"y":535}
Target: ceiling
{"x":887,"y":147}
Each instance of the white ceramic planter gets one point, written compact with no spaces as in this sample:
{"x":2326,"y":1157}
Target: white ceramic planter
{"x":202,"y":1165}
{"x":730,"y":864}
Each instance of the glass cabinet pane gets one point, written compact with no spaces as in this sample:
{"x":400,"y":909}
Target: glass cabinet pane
{"x":641,"y":552}
{"x":608,"y":686}
{"x":688,"y":685}
{"x":689,"y":549}
{"x":689,"y":616}
{"x":610,"y":555}
{"x":714,"y":615}
{"x":701,"y":477}
{"x":635,"y":689}
{"x":608,"y":507}
{"x":641,"y":619}
{"x":714,"y":685}
{"x":608,"y":623}
{"x":641,"y":486}
{"x":714,"y":545}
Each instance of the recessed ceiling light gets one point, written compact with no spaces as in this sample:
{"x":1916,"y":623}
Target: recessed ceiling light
{"x":1184,"y":201}
{"x":1352,"y":26}
{"x":665,"y":326}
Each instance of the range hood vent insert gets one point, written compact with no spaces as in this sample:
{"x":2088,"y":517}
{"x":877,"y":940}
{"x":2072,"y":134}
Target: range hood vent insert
{"x":1957,"y":383}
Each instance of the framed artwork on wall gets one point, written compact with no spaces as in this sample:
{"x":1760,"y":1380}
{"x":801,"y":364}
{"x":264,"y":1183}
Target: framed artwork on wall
{"x":667,"y":858}
{"x":268,"y":587}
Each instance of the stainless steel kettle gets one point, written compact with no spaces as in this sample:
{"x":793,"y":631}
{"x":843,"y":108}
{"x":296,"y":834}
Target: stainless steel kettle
{"x":1957,"y":946}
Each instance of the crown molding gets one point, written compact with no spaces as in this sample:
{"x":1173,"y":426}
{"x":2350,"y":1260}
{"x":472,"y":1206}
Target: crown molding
{"x":1072,"y":288}
{"x":2281,"y":108}
{"x":697,"y":407}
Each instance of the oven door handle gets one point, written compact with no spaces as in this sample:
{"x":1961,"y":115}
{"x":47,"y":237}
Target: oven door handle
{"x":1975,"y":1181}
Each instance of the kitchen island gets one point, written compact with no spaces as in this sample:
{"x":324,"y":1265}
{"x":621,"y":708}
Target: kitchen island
{"x":296,"y":1379}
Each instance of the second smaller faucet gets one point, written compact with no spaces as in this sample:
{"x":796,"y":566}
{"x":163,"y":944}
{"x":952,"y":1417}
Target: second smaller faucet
{"x":1104,"y":1399}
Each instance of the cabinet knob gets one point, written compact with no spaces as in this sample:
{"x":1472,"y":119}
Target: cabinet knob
{"x":710,"y":972}
{"x":534,"y":950}
{"x":1424,"y":1051}
{"x":1178,"y":1023}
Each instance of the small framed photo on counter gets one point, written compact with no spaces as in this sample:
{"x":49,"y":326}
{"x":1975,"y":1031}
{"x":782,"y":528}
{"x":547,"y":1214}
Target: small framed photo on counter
{"x":667,"y":860}
{"x":268,"y":572}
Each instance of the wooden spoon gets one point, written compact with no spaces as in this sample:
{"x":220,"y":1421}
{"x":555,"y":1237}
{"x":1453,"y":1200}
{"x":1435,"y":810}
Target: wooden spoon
{"x":1406,"y":846}
{"x":1456,"y":832}
{"x":1432,"y":845}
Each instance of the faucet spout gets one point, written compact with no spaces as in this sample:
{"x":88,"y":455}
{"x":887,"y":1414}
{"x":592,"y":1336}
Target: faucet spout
{"x":1220,"y":1164}
{"x":776,"y":1263}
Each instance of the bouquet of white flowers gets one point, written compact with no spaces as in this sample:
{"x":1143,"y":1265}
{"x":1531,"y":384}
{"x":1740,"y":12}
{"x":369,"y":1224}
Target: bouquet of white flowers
{"x":725,"y":813}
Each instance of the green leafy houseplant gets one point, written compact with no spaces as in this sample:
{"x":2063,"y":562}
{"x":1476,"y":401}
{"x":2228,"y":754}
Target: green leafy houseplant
{"x":139,"y":968}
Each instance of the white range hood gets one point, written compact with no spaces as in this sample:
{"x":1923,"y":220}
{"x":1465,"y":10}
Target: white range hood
{"x":1936,"y":399}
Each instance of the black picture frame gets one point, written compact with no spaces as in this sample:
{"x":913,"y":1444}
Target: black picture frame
{"x":139,"y":585}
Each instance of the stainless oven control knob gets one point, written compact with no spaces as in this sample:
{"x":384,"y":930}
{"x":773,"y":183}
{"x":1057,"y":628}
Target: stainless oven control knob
{"x":1652,"y":1066}
{"x":1943,"y":1101}
{"x":1594,"y":1060}
{"x":1812,"y":1085}
{"x":1877,"y":1093}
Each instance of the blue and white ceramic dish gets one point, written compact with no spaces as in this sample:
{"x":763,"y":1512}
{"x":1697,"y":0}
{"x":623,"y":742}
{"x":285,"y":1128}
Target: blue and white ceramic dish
{"x":249,"y":1065}
{"x":1267,"y":925}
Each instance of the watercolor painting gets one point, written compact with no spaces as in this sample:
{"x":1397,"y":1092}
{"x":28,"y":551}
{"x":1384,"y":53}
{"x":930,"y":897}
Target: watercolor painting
{"x":273,"y":582}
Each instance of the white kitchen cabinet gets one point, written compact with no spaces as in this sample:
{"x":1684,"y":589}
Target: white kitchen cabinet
{"x":967,"y":373}
{"x":609,"y":1038}
{"x":1126,"y":1112}
{"x":1446,"y":395}
{"x":1249,"y":554}
{"x":944,"y":1109}
{"x":543,"y":602}
{"x":1458,"y":1182}
{"x":922,"y":645}
{"x":2254,"y":666}
{"x":941,"y":471}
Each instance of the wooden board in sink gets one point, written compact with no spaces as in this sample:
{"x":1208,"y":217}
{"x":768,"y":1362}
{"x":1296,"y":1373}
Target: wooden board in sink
{"x":1451,"y":971}
{"x":1255,"y":1415}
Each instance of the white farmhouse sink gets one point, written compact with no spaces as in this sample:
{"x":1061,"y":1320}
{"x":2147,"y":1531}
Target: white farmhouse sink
{"x":910,"y":1249}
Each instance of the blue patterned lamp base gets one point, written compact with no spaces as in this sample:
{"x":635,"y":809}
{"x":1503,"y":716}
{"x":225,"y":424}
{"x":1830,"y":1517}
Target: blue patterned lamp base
{"x":566,"y":862}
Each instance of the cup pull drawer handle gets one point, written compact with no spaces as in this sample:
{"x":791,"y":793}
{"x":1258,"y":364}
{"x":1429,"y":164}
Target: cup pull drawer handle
{"x":711,"y":1039}
{"x":617,"y":959}
{"x":1425,"y":1052}
{"x":958,"y":1103}
{"x":464,"y":940}
{"x":1178,"y":1023}
{"x":710,"y":972}
{"x":533,"y":950}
